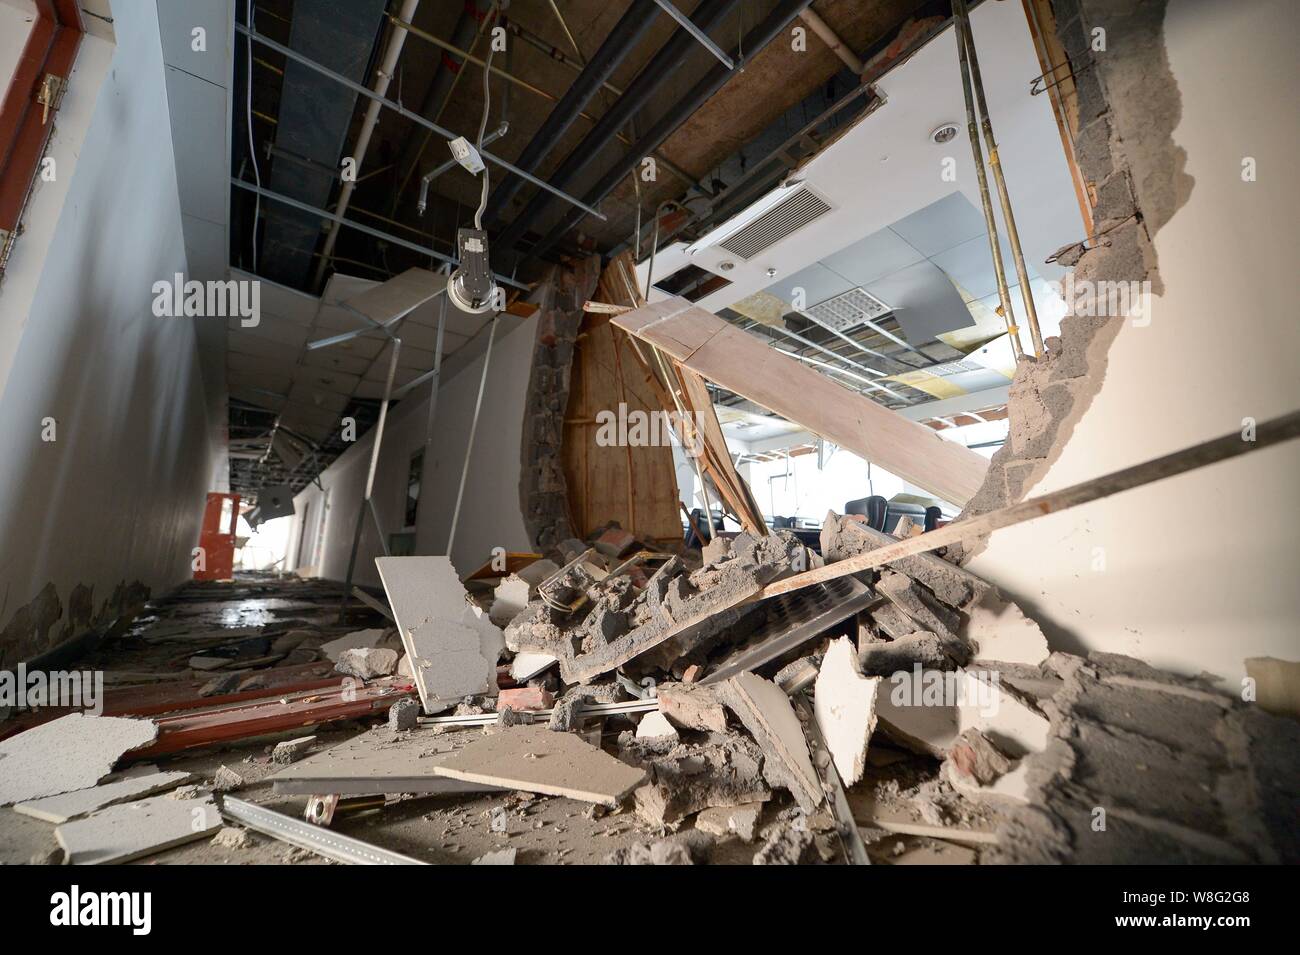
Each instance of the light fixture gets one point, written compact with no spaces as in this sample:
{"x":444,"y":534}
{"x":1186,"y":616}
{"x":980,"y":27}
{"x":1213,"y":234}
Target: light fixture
{"x":470,"y":287}
{"x":945,"y":133}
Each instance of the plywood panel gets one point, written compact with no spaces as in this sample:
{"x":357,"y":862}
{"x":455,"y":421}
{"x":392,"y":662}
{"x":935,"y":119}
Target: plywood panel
{"x":741,"y":363}
{"x":635,"y":486}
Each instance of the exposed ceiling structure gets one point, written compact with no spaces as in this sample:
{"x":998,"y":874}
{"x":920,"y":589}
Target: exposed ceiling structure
{"x":607,"y":113}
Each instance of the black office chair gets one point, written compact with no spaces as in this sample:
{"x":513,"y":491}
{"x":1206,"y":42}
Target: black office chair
{"x":875,"y":509}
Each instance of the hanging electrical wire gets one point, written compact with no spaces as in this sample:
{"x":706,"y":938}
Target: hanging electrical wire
{"x":252,"y":150}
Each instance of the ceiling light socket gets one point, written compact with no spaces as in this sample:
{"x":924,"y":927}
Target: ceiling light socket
{"x":726,"y":266}
{"x":945,"y":133}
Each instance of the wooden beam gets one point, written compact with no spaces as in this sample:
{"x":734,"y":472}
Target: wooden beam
{"x":741,"y":363}
{"x":1231,"y":445}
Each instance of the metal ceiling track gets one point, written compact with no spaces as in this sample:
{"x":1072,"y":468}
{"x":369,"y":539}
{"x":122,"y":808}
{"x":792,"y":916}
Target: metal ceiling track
{"x":414,"y":117}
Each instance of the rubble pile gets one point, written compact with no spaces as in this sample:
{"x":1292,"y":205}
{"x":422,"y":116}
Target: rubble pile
{"x":613,"y":702}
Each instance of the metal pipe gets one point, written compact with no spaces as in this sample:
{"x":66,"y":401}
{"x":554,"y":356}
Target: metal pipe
{"x":353,"y":224}
{"x":432,"y":417}
{"x":423,"y":202}
{"x":701,"y":37}
{"x":409,"y":114}
{"x":832,"y":40}
{"x":473,"y":429}
{"x":383,"y":75}
{"x":661,"y":66}
{"x":622,"y":39}
{"x":712,"y":81}
{"x":1013,"y":235}
{"x":972,"y":133}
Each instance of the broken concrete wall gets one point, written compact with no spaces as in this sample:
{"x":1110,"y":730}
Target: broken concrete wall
{"x":489,"y":515}
{"x":543,"y":491}
{"x":107,"y":440}
{"x":1166,"y":573}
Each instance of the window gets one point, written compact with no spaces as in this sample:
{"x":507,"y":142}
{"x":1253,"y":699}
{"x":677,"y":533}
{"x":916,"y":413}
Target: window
{"x":413,"y":488}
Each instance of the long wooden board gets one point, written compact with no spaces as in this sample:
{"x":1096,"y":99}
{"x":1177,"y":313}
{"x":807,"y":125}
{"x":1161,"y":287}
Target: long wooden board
{"x":740,"y":362}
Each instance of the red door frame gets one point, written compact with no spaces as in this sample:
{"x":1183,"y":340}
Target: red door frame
{"x":51,"y":48}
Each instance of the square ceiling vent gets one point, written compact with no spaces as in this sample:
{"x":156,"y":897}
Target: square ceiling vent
{"x":848,"y":310}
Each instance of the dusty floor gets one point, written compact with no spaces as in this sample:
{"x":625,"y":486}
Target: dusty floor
{"x":444,"y":829}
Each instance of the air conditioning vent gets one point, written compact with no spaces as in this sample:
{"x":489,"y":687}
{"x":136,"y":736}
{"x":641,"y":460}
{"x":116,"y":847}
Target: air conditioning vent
{"x":792,"y":213}
{"x":848,"y":310}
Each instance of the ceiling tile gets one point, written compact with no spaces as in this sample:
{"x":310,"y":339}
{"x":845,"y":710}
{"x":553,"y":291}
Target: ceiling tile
{"x":924,"y":301}
{"x":818,"y":283}
{"x":879,"y":254}
{"x":941,"y":225}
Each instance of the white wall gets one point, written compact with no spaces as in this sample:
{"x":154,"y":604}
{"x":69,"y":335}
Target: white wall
{"x":118,"y":496}
{"x":490,"y":515}
{"x":1200,"y":570}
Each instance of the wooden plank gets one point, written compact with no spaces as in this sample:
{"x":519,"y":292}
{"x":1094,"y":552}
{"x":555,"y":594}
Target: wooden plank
{"x":1274,"y":431}
{"x":741,"y":363}
{"x":717,"y":458}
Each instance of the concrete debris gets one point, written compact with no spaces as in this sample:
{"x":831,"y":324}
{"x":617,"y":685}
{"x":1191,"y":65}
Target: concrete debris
{"x":692,"y":707}
{"x":366,"y":664}
{"x":357,"y":640}
{"x":566,"y":715}
{"x":231,"y":837}
{"x":788,"y":843}
{"x":844,"y":704}
{"x":738,"y":821}
{"x":656,"y":726}
{"x":677,"y":614}
{"x":929,"y":650}
{"x":403,"y":715}
{"x":226,"y":779}
{"x":221,"y":685}
{"x":923,"y":607}
{"x":291,"y":749}
{"x":689,"y":776}
{"x":675,"y":851}
{"x":771,"y":720}
{"x":69,"y":753}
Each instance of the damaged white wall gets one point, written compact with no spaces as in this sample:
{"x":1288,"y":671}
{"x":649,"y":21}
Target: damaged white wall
{"x":490,"y":515}
{"x":1198,"y":572}
{"x":117,"y":496}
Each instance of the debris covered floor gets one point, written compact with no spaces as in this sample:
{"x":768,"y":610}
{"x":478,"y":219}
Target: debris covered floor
{"x":630,"y":706}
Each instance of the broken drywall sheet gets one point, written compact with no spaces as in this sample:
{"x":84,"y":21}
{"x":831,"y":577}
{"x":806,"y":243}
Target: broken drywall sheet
{"x":928,"y":710}
{"x":509,"y":599}
{"x":378,"y":762}
{"x":357,"y":640}
{"x":844,"y":704}
{"x":83,"y":802}
{"x":534,"y":759}
{"x":134,"y":829}
{"x":766,"y":712}
{"x":1000,"y":631}
{"x":527,"y":665}
{"x":453,"y":647}
{"x":72,"y":752}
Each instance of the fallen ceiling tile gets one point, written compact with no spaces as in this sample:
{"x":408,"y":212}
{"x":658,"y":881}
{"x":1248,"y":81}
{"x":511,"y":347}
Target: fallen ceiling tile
{"x":134,"y":829}
{"x":452,"y":646}
{"x":844,"y":703}
{"x":73,"y":752}
{"x":1000,"y":631}
{"x":535,"y":759}
{"x":83,"y":802}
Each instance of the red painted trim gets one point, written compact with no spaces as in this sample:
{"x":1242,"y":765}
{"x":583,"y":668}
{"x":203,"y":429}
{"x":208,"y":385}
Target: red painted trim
{"x":51,"y":48}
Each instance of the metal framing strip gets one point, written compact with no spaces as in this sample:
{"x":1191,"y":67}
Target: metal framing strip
{"x":313,"y":838}
{"x":595,"y":709}
{"x":686,"y":24}
{"x":353,"y":224}
{"x":414,"y":117}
